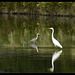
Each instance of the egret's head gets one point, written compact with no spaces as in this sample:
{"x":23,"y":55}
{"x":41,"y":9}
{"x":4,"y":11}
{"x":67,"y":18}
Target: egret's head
{"x":37,"y":33}
{"x":51,"y":69}
{"x":50,"y":28}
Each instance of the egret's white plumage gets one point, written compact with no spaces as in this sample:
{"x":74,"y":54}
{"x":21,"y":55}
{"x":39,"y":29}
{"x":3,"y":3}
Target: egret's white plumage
{"x":55,"y":42}
{"x":54,"y":57}
{"x":34,"y":39}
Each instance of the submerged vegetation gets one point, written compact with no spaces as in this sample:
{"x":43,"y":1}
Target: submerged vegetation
{"x":50,"y":8}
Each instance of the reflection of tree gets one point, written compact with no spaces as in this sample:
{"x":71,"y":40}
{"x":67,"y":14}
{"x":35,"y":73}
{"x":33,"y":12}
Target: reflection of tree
{"x":57,"y":24}
{"x":31,"y":24}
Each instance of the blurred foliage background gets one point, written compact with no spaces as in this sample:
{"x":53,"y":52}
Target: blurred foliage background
{"x":50,"y":8}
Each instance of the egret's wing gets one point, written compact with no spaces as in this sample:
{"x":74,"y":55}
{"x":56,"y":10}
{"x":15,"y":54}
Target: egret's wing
{"x":33,"y":39}
{"x":57,"y":43}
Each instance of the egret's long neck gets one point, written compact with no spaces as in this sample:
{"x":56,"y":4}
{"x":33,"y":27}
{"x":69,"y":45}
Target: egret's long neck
{"x":36,"y":36}
{"x":52,"y":33}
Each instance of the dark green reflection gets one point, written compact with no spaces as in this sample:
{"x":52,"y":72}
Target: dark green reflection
{"x":22,"y":63}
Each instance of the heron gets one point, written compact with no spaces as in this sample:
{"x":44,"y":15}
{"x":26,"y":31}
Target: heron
{"x":54,"y":57}
{"x":55,"y":42}
{"x":34,"y":39}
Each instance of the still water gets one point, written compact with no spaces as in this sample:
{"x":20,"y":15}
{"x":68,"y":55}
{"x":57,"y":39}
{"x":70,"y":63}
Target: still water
{"x":20,"y":55}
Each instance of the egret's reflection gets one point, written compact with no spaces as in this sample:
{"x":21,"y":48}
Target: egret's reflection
{"x":54,"y":57}
{"x":34,"y":46}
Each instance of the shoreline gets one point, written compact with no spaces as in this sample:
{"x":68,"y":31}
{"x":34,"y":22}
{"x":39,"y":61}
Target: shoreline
{"x":58,"y":15}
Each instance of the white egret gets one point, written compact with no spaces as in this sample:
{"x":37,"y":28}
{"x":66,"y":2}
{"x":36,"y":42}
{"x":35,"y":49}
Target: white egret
{"x":34,"y":39}
{"x":54,"y":57}
{"x":34,"y":46}
{"x":55,"y":42}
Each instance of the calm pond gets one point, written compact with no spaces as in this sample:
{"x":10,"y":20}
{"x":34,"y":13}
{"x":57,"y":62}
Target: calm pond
{"x":20,"y":55}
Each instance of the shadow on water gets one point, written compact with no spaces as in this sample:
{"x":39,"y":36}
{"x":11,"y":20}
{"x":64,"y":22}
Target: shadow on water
{"x":19,"y":55}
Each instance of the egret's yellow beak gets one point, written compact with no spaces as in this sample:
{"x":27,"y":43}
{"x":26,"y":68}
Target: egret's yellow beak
{"x":49,"y":28}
